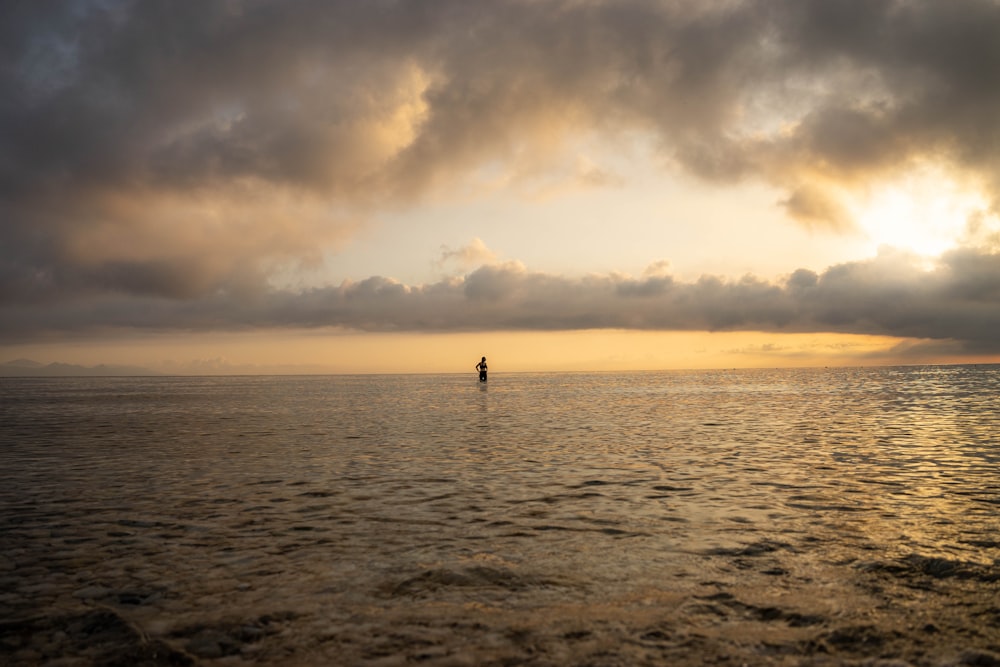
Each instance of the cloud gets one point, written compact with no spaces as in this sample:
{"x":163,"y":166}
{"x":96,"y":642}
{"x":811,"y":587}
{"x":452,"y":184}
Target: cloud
{"x":472,"y":254}
{"x":184,"y":154}
{"x":893,"y":295}
{"x":810,"y":205}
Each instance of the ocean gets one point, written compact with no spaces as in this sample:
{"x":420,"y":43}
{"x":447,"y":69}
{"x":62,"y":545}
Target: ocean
{"x":819,"y":516}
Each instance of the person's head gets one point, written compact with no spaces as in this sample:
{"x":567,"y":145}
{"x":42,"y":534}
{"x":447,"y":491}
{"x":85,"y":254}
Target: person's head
{"x":484,"y":358}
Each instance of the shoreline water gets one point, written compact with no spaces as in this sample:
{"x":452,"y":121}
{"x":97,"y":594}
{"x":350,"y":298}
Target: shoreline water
{"x":765,"y":517}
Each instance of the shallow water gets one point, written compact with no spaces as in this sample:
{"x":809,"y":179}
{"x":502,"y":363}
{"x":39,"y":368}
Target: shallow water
{"x":761,"y":517}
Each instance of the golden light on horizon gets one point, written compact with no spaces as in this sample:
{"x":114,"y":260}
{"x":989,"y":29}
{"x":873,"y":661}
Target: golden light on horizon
{"x":322,"y":351}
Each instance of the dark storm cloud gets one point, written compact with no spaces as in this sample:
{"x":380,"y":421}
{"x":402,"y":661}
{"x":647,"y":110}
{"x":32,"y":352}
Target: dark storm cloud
{"x":890,"y":295}
{"x":171,"y":156}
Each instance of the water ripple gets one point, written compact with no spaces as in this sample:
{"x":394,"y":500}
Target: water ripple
{"x":648,"y":514}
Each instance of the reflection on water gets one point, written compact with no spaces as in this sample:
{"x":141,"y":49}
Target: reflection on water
{"x":746,"y":515}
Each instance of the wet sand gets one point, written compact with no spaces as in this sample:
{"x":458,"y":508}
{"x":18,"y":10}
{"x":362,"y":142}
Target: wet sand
{"x":720,"y":539}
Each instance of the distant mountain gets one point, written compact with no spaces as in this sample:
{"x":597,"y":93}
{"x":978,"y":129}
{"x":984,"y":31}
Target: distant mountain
{"x":29,"y":368}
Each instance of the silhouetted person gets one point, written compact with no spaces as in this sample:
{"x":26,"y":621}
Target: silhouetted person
{"x":481,"y":367}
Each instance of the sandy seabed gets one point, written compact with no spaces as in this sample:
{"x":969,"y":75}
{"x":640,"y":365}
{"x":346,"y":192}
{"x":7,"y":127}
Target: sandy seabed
{"x":718,"y":540}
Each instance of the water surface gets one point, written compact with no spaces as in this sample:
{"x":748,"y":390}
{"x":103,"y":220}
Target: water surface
{"x":818,"y":516}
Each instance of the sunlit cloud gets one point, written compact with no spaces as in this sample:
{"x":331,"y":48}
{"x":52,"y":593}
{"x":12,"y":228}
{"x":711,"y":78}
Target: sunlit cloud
{"x":813,"y":207}
{"x":466,"y":257}
{"x":923,"y":211}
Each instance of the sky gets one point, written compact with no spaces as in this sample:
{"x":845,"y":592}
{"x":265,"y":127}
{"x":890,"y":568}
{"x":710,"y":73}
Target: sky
{"x":230,"y":186}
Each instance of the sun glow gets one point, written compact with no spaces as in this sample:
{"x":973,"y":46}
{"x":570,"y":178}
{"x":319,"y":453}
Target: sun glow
{"x":926,"y":212}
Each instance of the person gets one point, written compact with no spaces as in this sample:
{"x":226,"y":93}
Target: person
{"x":481,"y":367}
